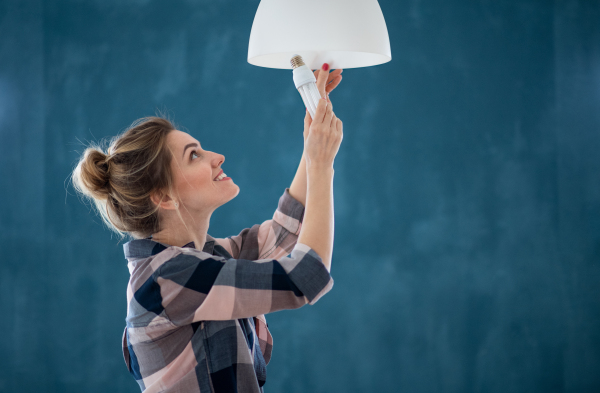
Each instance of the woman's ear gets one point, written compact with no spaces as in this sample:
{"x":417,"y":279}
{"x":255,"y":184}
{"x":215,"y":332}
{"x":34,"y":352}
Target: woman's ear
{"x":162,"y":200}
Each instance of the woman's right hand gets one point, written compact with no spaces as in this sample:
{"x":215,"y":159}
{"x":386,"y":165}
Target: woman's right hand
{"x":322,"y":135}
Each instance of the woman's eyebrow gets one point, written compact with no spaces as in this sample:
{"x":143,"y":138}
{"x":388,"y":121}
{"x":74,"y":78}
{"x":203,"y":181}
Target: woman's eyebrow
{"x":186,"y":146}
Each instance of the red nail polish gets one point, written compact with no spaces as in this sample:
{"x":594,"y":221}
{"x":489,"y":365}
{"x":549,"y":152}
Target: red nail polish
{"x":325,"y":67}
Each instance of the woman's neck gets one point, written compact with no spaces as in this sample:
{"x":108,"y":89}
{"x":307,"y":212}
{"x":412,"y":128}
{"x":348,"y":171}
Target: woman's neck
{"x":177,"y":234}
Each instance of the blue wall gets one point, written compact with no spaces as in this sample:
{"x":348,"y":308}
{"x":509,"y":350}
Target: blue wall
{"x":467,"y":192}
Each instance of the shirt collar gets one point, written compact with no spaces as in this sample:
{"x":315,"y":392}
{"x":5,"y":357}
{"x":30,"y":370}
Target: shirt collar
{"x":143,"y":248}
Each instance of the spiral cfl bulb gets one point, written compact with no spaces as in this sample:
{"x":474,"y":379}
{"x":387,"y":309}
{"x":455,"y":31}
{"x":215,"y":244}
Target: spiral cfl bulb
{"x":306,"y":83}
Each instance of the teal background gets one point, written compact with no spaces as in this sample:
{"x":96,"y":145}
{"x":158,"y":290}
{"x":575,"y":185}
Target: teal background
{"x":467,"y":192}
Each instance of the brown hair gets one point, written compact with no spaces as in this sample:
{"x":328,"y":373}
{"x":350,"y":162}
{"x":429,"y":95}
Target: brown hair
{"x":121,"y":181}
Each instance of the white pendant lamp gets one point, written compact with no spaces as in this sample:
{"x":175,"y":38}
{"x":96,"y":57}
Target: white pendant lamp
{"x":343,"y":33}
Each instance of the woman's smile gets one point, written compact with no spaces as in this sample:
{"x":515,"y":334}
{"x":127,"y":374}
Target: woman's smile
{"x":223,"y":178}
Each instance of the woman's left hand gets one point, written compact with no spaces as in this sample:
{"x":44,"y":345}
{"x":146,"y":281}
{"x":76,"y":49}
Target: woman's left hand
{"x":326,"y":82}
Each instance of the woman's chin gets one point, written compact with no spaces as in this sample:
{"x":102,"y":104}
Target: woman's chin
{"x":234,"y":193}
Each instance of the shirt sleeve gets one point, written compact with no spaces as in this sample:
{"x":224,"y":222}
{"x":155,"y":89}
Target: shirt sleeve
{"x":273,"y":238}
{"x":196,"y":286}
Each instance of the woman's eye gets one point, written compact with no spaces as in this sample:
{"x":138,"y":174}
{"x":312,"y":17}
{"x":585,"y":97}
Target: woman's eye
{"x":193,"y":154}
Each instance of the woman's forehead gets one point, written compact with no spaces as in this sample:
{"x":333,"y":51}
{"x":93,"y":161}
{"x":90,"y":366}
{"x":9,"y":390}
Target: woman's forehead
{"x":179,"y":139}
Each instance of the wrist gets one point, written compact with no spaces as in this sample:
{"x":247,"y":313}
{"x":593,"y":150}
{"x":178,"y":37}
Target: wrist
{"x":319,"y":169}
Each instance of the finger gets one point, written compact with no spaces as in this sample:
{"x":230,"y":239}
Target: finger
{"x":333,"y":122}
{"x":321,"y":110}
{"x":322,"y":81}
{"x":334,"y":74}
{"x":329,"y":88}
{"x":322,"y":93}
{"x":331,"y":78}
{"x":339,"y":126}
{"x":328,"y":114}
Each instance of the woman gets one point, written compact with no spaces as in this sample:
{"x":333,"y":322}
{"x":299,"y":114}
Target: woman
{"x":195,"y":316}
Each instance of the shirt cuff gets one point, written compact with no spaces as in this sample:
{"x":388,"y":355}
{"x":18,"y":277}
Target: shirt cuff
{"x":310,"y":275}
{"x":290,"y":213}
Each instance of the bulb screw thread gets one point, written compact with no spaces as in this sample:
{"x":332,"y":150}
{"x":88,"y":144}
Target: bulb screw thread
{"x":296,"y":61}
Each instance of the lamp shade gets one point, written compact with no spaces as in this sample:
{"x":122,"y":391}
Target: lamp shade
{"x":342,"y":33}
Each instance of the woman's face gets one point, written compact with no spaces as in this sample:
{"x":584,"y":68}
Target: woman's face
{"x":194,"y":170}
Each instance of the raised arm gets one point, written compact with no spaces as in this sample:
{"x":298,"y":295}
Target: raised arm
{"x":321,"y":147}
{"x":326,"y":83}
{"x":300,"y":184}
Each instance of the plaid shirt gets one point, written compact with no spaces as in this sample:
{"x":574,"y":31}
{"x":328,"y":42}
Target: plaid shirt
{"x":195,"y":319}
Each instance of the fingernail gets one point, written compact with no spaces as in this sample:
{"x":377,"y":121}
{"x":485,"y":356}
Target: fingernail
{"x":325,"y":67}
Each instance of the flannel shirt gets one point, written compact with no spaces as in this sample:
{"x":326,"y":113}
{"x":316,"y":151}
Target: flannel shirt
{"x":195,"y":319}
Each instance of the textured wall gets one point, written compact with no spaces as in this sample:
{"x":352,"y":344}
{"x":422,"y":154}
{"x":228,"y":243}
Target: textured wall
{"x":467,"y":245}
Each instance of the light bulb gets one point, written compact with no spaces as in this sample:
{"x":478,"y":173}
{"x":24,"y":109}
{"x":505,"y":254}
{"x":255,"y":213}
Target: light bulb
{"x":306,"y":83}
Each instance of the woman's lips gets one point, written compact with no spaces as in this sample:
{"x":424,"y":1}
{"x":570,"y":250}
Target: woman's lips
{"x":218,"y":174}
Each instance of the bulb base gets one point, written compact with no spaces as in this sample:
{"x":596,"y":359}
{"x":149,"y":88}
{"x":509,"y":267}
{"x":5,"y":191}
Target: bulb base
{"x":296,"y":61}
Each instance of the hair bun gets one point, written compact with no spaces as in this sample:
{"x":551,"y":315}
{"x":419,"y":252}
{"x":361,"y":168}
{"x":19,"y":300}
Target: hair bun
{"x":92,"y":174}
{"x":120,"y":174}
